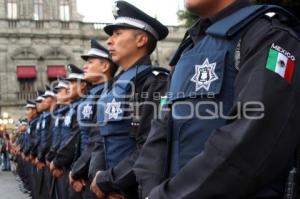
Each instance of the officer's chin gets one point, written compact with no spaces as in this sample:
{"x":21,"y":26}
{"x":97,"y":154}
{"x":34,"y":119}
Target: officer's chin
{"x":191,"y":5}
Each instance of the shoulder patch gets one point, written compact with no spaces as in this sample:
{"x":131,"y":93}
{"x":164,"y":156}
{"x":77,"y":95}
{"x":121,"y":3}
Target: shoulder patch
{"x":281,"y":61}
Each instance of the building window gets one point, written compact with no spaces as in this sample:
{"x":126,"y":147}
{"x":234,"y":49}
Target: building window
{"x":64,"y":10}
{"x":27,"y":90}
{"x":12,"y":9}
{"x":38,"y":10}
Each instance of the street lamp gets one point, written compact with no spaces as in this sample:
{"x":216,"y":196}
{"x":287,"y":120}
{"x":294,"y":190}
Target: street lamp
{"x":5,"y":120}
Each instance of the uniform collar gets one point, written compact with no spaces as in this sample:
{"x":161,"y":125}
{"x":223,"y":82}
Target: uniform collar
{"x":143,"y":61}
{"x":199,"y":27}
{"x":96,"y":88}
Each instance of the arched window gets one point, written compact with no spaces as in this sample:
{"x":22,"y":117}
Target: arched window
{"x":38,"y":10}
{"x":12,"y":9}
{"x":64,"y":10}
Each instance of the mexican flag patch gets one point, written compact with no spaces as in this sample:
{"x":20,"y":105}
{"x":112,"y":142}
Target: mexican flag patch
{"x":281,"y":62}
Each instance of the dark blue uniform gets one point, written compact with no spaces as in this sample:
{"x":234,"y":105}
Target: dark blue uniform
{"x":59,"y":114}
{"x":68,"y":149}
{"x":122,"y":141}
{"x":89,"y":136}
{"x":222,"y":65}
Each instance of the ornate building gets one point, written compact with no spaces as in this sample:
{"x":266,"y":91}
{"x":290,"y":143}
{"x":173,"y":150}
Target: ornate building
{"x":39,"y":37}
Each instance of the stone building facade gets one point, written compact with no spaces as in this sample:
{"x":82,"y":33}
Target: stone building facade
{"x":39,"y":37}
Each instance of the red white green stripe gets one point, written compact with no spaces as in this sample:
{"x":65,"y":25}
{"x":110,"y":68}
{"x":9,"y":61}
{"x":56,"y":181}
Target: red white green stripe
{"x":280,"y":64}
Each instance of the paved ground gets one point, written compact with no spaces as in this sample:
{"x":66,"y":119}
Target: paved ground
{"x":9,"y":187}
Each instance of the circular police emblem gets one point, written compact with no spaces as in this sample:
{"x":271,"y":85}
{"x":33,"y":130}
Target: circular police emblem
{"x":204,"y":75}
{"x":113,"y":109}
{"x":87,"y":111}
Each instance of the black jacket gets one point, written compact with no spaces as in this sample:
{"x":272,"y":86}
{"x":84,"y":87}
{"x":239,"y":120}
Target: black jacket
{"x":245,"y":156}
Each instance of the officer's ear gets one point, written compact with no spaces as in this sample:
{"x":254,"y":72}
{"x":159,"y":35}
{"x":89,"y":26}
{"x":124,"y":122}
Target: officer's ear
{"x":141,"y":38}
{"x":105,"y":66}
{"x":83,"y":85}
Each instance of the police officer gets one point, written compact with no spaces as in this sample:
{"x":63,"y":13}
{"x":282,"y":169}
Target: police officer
{"x":38,"y":172}
{"x":29,"y":140}
{"x":62,"y":107}
{"x":231,"y":131}
{"x":45,"y":135}
{"x":99,"y":71}
{"x":20,"y":142}
{"x":126,"y":110}
{"x":69,"y":147}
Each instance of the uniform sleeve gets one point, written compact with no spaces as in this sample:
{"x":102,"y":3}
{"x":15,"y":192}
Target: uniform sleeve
{"x":97,"y":162}
{"x":33,"y":142}
{"x":66,"y":155}
{"x":122,"y":174}
{"x":149,"y":167}
{"x":247,"y":154}
{"x":46,"y":140}
{"x":80,"y":168}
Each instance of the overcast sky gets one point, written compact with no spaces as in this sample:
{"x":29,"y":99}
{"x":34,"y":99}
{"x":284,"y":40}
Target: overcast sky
{"x":100,"y":10}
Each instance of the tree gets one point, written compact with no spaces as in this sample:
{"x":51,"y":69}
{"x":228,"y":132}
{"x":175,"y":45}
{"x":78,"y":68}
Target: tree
{"x":187,"y":18}
{"x":293,"y":6}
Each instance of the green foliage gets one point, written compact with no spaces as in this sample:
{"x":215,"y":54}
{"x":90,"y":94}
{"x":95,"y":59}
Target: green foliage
{"x":186,"y":17}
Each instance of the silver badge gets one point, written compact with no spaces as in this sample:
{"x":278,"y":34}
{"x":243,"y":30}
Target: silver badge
{"x":87,"y":111}
{"x":113,"y":109}
{"x":115,"y":10}
{"x":38,"y":126}
{"x":44,"y":124}
{"x":204,"y":75}
{"x":67,"y":120}
{"x":56,"y":122}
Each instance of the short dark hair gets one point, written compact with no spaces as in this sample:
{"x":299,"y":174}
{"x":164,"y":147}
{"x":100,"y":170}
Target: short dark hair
{"x":152,"y":42}
{"x":113,"y":68}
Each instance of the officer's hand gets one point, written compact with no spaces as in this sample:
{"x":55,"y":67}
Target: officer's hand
{"x":27,"y":158}
{"x":115,"y":196}
{"x":94,"y":188}
{"x":40,"y":165}
{"x":34,"y":161}
{"x":48,"y":164}
{"x":58,"y":172}
{"x":78,"y":185}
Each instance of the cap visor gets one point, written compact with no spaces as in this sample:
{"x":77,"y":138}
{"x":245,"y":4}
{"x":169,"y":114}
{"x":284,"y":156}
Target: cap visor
{"x":87,"y":56}
{"x":110,"y":28}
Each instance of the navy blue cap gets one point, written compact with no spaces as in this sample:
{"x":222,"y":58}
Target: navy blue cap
{"x":74,"y":72}
{"x":48,"y":92}
{"x":30,"y":104}
{"x":61,"y":83}
{"x":127,"y":15}
{"x":23,"y":121}
{"x":97,"y":50}
{"x":40,"y":97}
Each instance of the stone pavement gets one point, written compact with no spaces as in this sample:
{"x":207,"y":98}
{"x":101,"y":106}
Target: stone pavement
{"x":9,"y":188}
